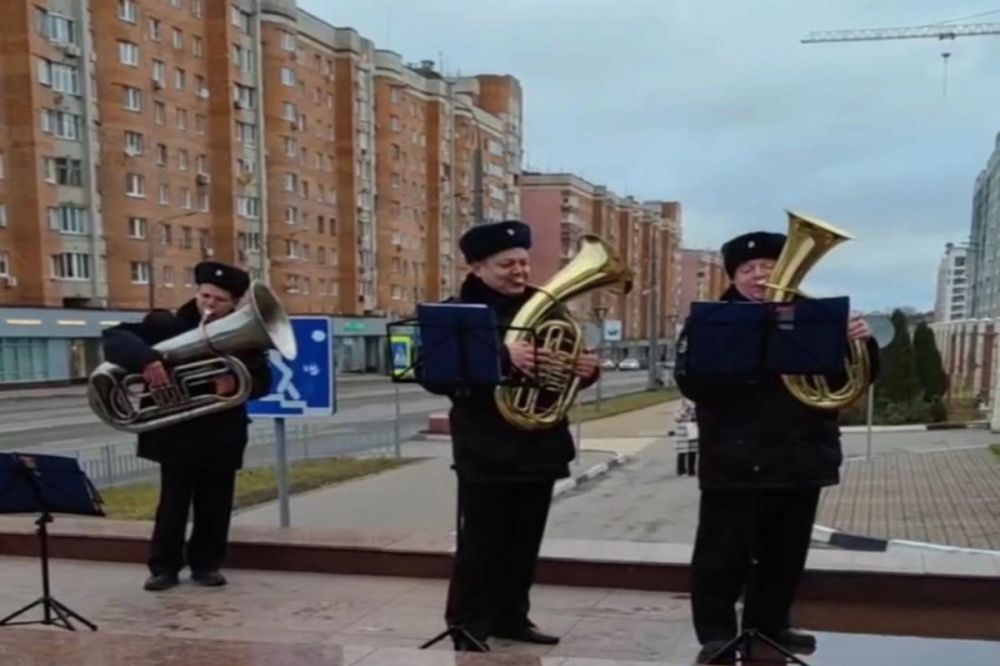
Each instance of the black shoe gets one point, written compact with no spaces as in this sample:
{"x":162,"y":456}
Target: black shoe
{"x":467,"y":644}
{"x":794,"y":640}
{"x":160,"y":582}
{"x":526,"y":635}
{"x":713,"y":648}
{"x":209,"y":578}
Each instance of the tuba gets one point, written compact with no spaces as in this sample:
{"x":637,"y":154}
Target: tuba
{"x":543,"y":320}
{"x":808,"y":241}
{"x":193,"y":360}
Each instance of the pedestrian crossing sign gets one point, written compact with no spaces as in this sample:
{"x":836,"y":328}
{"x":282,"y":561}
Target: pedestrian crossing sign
{"x":401,"y":347}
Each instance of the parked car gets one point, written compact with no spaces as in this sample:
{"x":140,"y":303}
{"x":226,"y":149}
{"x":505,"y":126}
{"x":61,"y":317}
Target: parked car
{"x":608,"y":364}
{"x":629,"y":364}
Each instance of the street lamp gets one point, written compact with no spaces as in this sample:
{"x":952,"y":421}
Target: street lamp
{"x":151,"y":257}
{"x":600,"y":312}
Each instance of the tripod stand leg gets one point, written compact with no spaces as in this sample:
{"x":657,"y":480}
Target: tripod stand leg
{"x":782,"y":650}
{"x":22,"y":611}
{"x":65,"y":610}
{"x":457,"y":632}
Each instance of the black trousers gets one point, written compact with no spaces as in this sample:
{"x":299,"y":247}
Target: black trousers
{"x":778,"y":523}
{"x":499,"y":536}
{"x":210,"y":493}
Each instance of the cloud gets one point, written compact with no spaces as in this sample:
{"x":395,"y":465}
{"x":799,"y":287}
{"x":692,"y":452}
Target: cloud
{"x":719,"y":106}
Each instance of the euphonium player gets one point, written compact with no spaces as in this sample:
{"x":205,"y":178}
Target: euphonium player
{"x":764,"y":456}
{"x":198,"y":458}
{"x":505,"y":475}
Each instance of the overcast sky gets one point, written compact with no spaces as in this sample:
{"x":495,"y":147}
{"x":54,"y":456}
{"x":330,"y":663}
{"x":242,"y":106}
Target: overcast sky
{"x":718,"y":105}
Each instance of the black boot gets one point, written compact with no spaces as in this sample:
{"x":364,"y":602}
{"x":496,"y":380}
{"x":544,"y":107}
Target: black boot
{"x":525,"y":634}
{"x":160,"y":582}
{"x":465,"y":642}
{"x":794,"y":641}
{"x":713,"y":648}
{"x":209,"y":578}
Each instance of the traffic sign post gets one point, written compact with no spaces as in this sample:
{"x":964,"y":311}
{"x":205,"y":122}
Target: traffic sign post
{"x":300,"y":388}
{"x":401,"y":348}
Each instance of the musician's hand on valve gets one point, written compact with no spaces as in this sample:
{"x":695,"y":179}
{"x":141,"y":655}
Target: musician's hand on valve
{"x":225,"y":385}
{"x":525,"y":357}
{"x":586,"y":365}
{"x":155,"y":375}
{"x":858,"y":328}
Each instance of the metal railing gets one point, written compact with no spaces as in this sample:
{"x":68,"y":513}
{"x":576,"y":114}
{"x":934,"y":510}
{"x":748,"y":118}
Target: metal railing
{"x":116,"y":463}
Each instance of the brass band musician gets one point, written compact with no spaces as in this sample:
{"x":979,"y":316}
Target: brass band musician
{"x":199,"y":457}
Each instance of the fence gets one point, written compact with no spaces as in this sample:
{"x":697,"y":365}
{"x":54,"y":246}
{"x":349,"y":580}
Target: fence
{"x":116,"y":463}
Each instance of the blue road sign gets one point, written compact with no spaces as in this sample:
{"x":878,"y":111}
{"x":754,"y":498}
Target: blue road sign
{"x":305,"y":386}
{"x":402,"y":355}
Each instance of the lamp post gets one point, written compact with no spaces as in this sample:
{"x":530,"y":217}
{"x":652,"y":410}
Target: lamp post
{"x":600,"y":312}
{"x":151,"y":256}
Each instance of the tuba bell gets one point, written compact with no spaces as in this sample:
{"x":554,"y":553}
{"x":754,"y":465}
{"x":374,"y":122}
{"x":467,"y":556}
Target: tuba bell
{"x":808,"y":241}
{"x":193,"y":360}
{"x":543,"y":320}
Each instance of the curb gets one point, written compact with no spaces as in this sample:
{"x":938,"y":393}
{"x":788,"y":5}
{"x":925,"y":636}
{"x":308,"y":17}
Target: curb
{"x":563,"y":486}
{"x":846,"y":541}
{"x":972,"y":425}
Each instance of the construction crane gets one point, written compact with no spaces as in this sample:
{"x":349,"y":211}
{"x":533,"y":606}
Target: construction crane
{"x":940,"y":31}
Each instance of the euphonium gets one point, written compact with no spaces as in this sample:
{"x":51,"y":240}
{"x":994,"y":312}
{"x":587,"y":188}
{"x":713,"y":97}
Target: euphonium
{"x":808,"y":241}
{"x":193,"y":360}
{"x":543,"y":320}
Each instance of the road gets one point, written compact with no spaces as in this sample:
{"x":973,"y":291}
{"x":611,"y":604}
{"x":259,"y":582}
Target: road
{"x":64,"y":422}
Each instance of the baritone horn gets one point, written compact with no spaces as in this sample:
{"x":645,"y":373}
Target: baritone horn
{"x":543,"y":321}
{"x":194,"y":359}
{"x":809,"y":239}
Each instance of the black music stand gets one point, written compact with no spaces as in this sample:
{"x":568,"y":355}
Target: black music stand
{"x":741,"y":339}
{"x":46,"y":484}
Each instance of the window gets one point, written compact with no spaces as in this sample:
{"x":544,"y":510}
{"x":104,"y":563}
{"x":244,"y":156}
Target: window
{"x":182,"y":119}
{"x":137,"y":228}
{"x":394,"y":95}
{"x":4,"y":264}
{"x":160,"y":113}
{"x":183,"y":162}
{"x":140,"y":272}
{"x":246,"y":133}
{"x":128,"y":53}
{"x":292,"y":249}
{"x":200,"y":123}
{"x":180,"y":79}
{"x":58,"y":29}
{"x":160,"y":72}
{"x":248,"y":207}
{"x":244,"y":96}
{"x":200,"y":88}
{"x":291,"y":215}
{"x":241,"y":19}
{"x":155,"y":29}
{"x":133,"y":99}
{"x":3,"y":215}
{"x":161,"y":154}
{"x":290,"y":182}
{"x":68,"y":220}
{"x":178,"y":39}
{"x":198,"y":47}
{"x":291,"y":146}
{"x":394,"y":124}
{"x":243,"y":59}
{"x":289,"y":112}
{"x":71,"y":266}
{"x":321,"y":256}
{"x":201,"y":164}
{"x":203,"y":204}
{"x":135,"y":185}
{"x":164,"y":194}
{"x":168,"y":276}
{"x":64,"y":171}
{"x":197,"y":8}
{"x":186,"y":198}
{"x":288,"y":41}
{"x":2,"y":166}
{"x":61,"y":124}
{"x":62,"y":78}
{"x":288,"y":76}
{"x":394,"y":151}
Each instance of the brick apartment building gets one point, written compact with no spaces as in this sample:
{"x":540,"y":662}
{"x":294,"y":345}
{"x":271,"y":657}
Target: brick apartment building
{"x":703,"y":278}
{"x":139,"y":137}
{"x":561,"y":207}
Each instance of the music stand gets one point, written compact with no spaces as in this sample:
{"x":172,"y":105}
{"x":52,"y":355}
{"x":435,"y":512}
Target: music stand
{"x":765,"y":339}
{"x":46,"y":484}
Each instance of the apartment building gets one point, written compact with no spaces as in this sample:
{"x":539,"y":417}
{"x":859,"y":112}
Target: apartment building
{"x":562,"y":207}
{"x":149,"y":135}
{"x":952,"y":299}
{"x":703,"y":278}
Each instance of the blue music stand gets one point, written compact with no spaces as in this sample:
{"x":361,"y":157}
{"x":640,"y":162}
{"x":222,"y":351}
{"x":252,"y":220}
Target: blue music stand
{"x":46,"y":484}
